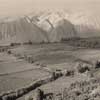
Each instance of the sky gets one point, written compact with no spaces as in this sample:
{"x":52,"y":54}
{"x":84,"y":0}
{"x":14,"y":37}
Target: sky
{"x":21,"y":7}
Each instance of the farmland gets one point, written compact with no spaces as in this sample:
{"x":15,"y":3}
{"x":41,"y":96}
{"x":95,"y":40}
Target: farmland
{"x":27,"y":63}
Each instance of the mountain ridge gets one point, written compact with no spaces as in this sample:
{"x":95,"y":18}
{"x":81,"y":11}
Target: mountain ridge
{"x":49,"y":26}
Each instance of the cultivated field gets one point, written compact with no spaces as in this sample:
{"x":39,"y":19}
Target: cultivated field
{"x":27,"y":63}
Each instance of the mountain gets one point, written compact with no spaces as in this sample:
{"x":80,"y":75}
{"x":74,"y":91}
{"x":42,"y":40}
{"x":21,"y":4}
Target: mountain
{"x":87,"y":24}
{"x":28,"y":28}
{"x":56,"y":26}
{"x":49,"y":26}
{"x":64,"y":29}
{"x":50,"y":19}
{"x":21,"y":30}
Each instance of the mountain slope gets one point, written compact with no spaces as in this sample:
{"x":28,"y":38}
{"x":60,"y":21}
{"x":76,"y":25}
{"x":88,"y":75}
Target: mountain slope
{"x":50,"y":26}
{"x":64,"y":29}
{"x":21,"y":31}
{"x":87,"y":24}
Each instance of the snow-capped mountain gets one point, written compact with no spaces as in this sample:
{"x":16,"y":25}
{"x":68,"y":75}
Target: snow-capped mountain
{"x":49,"y":26}
{"x":87,"y":24}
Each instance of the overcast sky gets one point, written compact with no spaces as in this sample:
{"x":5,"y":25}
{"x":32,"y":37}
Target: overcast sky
{"x":20,"y":7}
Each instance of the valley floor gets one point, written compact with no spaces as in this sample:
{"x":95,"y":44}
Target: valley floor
{"x":26,"y":63}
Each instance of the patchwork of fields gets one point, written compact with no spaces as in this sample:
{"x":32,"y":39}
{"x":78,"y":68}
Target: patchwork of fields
{"x":17,"y":72}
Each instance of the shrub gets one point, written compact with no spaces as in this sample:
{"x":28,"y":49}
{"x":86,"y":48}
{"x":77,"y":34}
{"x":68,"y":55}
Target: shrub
{"x":97,"y":65}
{"x":20,"y":92}
{"x":81,"y":68}
{"x":70,"y":73}
{"x":14,"y":44}
{"x":30,"y":42}
{"x":9,"y":52}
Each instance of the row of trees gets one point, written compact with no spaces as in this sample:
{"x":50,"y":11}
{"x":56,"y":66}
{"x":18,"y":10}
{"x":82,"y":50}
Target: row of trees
{"x":83,"y":42}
